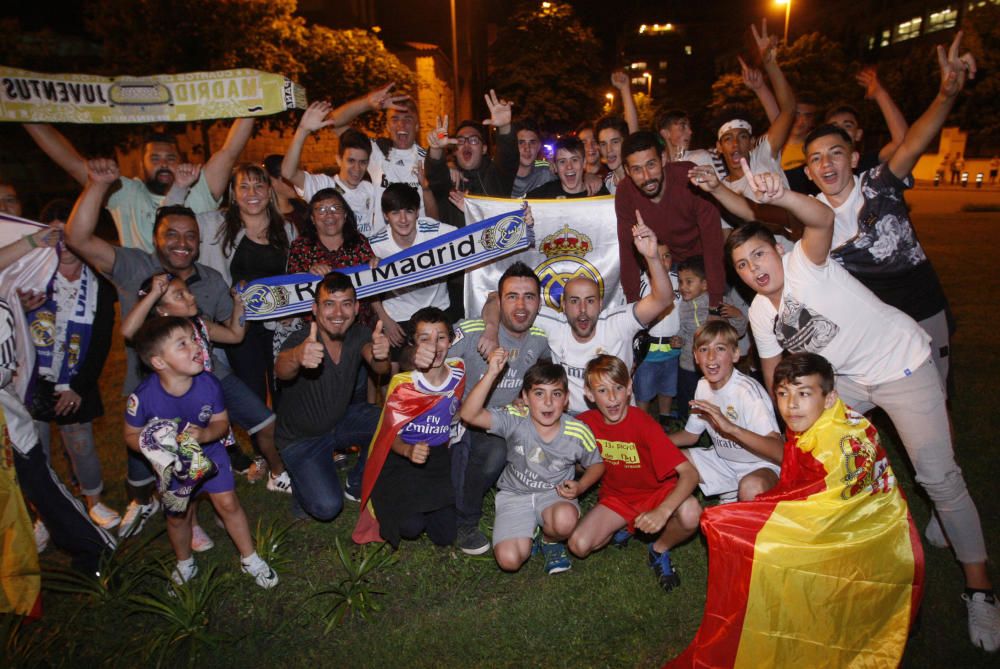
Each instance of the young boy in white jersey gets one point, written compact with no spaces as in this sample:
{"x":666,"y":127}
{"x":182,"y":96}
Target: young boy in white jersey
{"x":746,"y":451}
{"x":538,"y":486}
{"x":353,"y":153}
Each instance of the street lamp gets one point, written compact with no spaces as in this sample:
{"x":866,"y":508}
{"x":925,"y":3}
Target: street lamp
{"x":788,"y":12}
{"x":649,"y":83}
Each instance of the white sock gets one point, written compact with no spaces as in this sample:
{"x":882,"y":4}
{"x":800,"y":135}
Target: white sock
{"x":185,"y":565}
{"x":253,"y":558}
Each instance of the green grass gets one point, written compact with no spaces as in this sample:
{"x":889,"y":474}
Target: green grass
{"x":443,"y":609}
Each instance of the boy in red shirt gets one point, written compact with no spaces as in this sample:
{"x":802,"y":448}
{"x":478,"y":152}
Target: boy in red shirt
{"x":647,"y":482}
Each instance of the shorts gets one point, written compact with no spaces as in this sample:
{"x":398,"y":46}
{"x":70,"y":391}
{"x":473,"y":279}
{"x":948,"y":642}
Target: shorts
{"x":656,"y":378}
{"x":722,"y":477}
{"x":246,"y":410}
{"x":630,"y":506}
{"x":519,"y":513}
{"x":223,"y":480}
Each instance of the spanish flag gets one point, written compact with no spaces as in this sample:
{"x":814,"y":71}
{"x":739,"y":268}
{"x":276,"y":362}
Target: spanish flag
{"x":824,"y":570}
{"x":20,"y":577}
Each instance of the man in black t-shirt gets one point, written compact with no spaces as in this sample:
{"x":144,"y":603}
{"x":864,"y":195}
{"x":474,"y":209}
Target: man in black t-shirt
{"x":569,"y":161}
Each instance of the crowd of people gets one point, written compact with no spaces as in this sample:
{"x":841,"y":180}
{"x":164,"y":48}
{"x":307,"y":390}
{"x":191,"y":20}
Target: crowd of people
{"x":444,"y":406}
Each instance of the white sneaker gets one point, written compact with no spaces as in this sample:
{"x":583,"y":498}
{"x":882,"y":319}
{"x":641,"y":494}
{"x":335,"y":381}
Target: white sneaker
{"x":200,"y":541}
{"x":280,"y":483}
{"x":104,"y":516}
{"x":262,"y":573}
{"x":984,"y":621}
{"x":934,"y":533}
{"x":181,"y":575}
{"x":136,"y":516}
{"x":41,"y":536}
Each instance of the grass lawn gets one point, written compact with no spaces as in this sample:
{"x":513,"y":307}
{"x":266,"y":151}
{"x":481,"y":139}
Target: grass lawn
{"x":443,"y":609}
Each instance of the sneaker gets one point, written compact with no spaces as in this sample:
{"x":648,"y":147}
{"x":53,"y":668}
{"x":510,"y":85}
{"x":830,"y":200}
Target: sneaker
{"x":471,"y":541}
{"x":621,"y":538}
{"x":556,"y":558}
{"x":200,"y":541}
{"x":984,"y":620}
{"x":136,"y":516}
{"x":935,"y":534}
{"x":664,"y":569}
{"x":280,"y":483}
{"x":348,"y":495}
{"x":262,"y":573}
{"x":104,"y":516}
{"x":340,"y":460}
{"x":181,"y":574}
{"x":258,"y":469}
{"x":41,"y":536}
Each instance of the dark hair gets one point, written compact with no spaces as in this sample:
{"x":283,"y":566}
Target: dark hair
{"x":526,"y":124}
{"x":694,"y":264}
{"x":842,"y":108}
{"x":806,"y":99}
{"x":399,"y":196}
{"x":56,"y":210}
{"x":570,"y":143}
{"x":478,"y":127}
{"x":350,"y":231}
{"x":431,"y":315}
{"x":233,"y":221}
{"x":162,"y":138}
{"x":670,"y":117}
{"x":354,"y":139}
{"x":586,"y":125}
{"x":825,"y":130}
{"x":640,"y":141}
{"x":744,"y":234}
{"x":797,"y":365}
{"x":148,"y":339}
{"x":543,"y":374}
{"x":518,"y":270}
{"x":272,"y":165}
{"x":612,"y":122}
{"x":335,"y":282}
{"x":172,"y":210}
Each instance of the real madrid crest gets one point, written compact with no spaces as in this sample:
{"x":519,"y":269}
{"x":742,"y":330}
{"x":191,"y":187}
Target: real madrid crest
{"x":565,"y":251}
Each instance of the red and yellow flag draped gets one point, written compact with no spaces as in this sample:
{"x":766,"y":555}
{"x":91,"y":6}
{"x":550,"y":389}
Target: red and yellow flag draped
{"x":20,"y":578}
{"x":403,"y":403}
{"x":824,"y":570}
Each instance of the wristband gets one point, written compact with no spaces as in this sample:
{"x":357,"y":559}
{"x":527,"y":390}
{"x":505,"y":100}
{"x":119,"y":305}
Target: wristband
{"x":31,"y":241}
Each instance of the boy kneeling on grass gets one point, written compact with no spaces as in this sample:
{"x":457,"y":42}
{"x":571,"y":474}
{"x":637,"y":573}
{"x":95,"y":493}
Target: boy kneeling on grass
{"x":180,"y":389}
{"x":647,"y":483}
{"x":746,"y":451}
{"x":537,"y":487}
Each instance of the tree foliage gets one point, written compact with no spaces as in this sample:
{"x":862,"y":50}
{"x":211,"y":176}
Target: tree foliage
{"x":548,"y":64}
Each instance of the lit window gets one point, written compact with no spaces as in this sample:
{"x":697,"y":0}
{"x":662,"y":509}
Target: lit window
{"x":661,"y":80}
{"x":886,"y":38}
{"x":641,"y":65}
{"x":942,"y":19}
{"x":907,"y":29}
{"x":663,"y":64}
{"x":871,"y":42}
{"x":638,"y":81}
{"x":687,"y":49}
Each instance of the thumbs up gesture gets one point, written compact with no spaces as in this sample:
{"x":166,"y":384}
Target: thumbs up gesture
{"x":423,"y":356}
{"x":311,"y":350}
{"x":380,"y":343}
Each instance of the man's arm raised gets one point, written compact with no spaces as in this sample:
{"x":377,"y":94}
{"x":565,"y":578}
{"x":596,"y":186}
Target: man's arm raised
{"x":781,"y":127}
{"x":219,"y":167}
{"x":955,"y":70}
{"x":620,"y":81}
{"x":313,"y":118}
{"x":660,"y":295}
{"x":58,"y":148}
{"x":101,"y":174}
{"x":894,"y":118}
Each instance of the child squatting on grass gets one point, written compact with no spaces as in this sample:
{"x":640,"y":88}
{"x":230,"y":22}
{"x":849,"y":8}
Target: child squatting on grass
{"x":180,"y":389}
{"x":537,"y":487}
{"x":647,"y":482}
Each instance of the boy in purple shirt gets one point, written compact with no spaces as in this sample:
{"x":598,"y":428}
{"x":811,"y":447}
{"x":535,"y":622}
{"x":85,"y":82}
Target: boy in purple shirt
{"x":179,"y":389}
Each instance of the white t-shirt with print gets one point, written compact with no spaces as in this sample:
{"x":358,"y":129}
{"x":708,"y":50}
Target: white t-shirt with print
{"x":400,"y":166}
{"x":743,"y":401}
{"x":613,"y":335}
{"x":827,"y":311}
{"x":845,"y":217}
{"x":361,"y":200}
{"x":402,"y":303}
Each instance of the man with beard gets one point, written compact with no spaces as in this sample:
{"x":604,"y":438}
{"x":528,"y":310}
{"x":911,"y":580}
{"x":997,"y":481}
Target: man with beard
{"x":571,"y":169}
{"x":133,"y":203}
{"x":317,"y":370}
{"x":479,"y":458}
{"x":176,"y":236}
{"x":688,"y":224}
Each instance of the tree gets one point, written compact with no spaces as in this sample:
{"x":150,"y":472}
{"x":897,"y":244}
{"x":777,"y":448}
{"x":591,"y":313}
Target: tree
{"x":548,"y":64}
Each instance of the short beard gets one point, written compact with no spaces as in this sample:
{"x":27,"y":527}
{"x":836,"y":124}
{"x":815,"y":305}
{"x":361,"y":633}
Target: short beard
{"x":658,"y":190}
{"x":157,"y":187}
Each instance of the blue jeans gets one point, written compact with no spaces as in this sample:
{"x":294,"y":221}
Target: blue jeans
{"x":310,"y":462}
{"x":484,"y":457}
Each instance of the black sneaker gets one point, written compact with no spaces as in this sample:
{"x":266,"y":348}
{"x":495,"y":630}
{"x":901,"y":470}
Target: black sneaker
{"x":663,"y":569}
{"x":471,"y":541}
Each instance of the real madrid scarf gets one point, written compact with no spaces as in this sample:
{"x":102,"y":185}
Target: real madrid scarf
{"x":178,"y":459}
{"x":473,"y":245}
{"x":85,"y":98}
{"x":59,"y":360}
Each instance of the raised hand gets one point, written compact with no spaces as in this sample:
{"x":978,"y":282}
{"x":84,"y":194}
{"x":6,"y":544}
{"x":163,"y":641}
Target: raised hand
{"x":765,"y":43}
{"x":955,"y":69}
{"x":382,"y":98}
{"x":752,"y":77}
{"x":423,"y":356}
{"x":497,"y":361}
{"x":500,"y":110}
{"x":704,"y":177}
{"x":621,"y":81}
{"x":186,"y":174}
{"x":438,"y":138}
{"x":315,"y":117}
{"x":766,"y":187}
{"x":380,"y":343}
{"x":159,"y":285}
{"x":103,"y":171}
{"x":643,"y":238}
{"x":311,"y":350}
{"x":50,"y":236}
{"x":868,"y":79}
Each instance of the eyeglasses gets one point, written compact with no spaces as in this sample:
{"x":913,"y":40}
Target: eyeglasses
{"x":329,"y":209}
{"x":471,"y":141}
